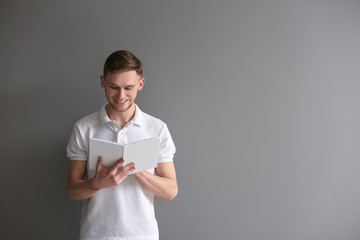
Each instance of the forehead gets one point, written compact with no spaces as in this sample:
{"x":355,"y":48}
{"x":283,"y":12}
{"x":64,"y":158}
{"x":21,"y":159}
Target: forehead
{"x":120,"y":78}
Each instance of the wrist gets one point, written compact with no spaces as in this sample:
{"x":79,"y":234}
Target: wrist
{"x":93,"y":184}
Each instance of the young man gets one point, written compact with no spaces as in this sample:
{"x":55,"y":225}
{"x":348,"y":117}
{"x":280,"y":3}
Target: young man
{"x":118,"y":205}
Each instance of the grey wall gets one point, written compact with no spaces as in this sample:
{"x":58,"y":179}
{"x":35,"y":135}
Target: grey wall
{"x":261,"y":98}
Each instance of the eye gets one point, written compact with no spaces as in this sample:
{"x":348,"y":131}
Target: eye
{"x":112,"y":87}
{"x":128,"y":88}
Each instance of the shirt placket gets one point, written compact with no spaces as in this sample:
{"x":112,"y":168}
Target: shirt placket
{"x":120,"y":136}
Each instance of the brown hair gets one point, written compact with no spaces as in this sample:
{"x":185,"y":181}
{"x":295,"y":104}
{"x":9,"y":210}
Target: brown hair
{"x":122,"y":61}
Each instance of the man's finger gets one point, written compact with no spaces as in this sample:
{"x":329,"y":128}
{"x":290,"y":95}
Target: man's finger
{"x":118,"y":164}
{"x":100,"y":163}
{"x":129,"y":168}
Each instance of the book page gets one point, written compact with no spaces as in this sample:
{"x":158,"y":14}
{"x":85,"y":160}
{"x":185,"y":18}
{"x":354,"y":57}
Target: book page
{"x":144,"y":154}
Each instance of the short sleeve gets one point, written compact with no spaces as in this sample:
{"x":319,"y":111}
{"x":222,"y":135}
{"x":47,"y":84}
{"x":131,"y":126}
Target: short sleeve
{"x":167,"y":146}
{"x":76,"y":148}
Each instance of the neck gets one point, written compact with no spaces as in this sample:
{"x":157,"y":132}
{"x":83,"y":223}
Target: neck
{"x":122,"y":118}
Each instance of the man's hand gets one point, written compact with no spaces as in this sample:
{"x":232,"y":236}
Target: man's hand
{"x":111,"y":176}
{"x":80,"y":189}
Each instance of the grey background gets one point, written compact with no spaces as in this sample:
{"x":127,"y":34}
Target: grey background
{"x":261,"y":98}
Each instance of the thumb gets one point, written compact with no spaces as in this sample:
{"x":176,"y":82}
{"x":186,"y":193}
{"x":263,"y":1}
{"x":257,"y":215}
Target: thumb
{"x":100,"y":164}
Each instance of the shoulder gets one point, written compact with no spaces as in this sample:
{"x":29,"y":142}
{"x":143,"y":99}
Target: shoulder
{"x":89,"y":121}
{"x":150,"y":121}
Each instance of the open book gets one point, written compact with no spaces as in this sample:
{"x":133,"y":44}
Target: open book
{"x":143,"y":153}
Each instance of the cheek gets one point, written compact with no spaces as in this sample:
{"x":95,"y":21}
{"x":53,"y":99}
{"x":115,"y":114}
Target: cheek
{"x":110,"y":93}
{"x":133,"y":93}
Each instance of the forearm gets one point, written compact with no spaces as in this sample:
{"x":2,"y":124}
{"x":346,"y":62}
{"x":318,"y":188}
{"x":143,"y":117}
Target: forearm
{"x":80,"y":189}
{"x":162,"y":186}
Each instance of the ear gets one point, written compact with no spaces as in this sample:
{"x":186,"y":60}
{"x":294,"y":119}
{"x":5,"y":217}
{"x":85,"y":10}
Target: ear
{"x":141,"y":84}
{"x":102,"y":81}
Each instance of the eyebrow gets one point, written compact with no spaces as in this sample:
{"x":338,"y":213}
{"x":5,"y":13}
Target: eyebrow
{"x":114,"y":85}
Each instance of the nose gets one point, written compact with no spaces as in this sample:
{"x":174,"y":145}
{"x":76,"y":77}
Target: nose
{"x":121,"y":93}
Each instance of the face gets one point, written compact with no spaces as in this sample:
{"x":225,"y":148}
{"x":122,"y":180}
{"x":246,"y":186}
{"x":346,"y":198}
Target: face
{"x":121,"y":89}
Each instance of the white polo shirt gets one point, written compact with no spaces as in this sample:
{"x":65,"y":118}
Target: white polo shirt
{"x":125,"y":211}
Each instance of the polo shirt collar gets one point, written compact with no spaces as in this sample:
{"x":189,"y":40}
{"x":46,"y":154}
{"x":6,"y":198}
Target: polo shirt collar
{"x":137,"y":119}
{"x":138,"y":116}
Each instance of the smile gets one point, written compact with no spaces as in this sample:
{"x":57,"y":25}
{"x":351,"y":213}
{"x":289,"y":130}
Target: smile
{"x":120,"y":102}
